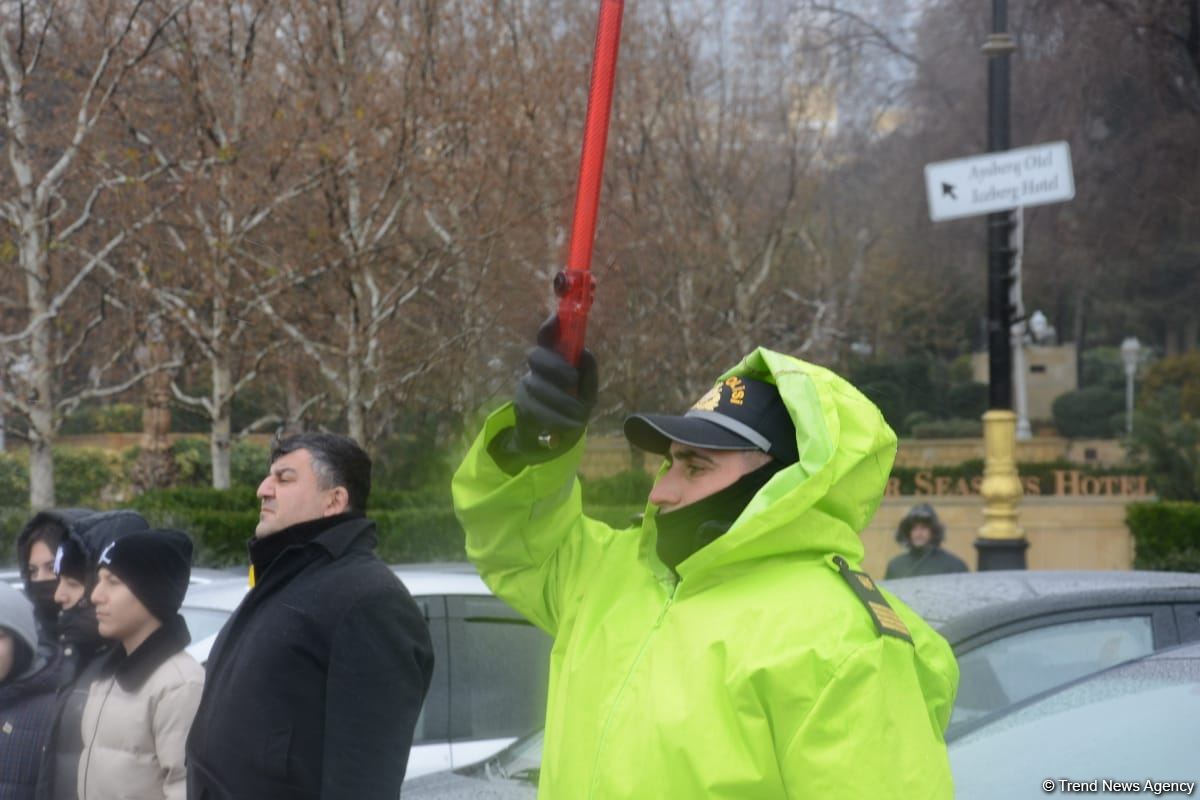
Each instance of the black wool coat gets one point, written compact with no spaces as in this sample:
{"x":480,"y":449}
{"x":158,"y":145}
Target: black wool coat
{"x":314,"y":685}
{"x":26,"y":711}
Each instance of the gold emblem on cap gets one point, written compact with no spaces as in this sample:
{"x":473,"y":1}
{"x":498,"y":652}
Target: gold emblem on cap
{"x":710,"y":401}
{"x":712,"y":398}
{"x":737,"y":390}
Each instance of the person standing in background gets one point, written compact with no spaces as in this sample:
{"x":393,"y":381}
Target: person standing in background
{"x":37,"y":545}
{"x":922,"y":533}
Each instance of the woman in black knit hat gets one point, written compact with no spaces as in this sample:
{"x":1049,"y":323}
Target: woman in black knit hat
{"x":138,"y":715}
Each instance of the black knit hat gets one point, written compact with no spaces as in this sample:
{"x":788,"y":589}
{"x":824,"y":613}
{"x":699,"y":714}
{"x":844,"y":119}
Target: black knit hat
{"x":71,"y":560}
{"x":155,"y":565}
{"x":88,"y":535}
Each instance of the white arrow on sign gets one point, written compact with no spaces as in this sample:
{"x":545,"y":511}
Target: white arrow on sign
{"x":1027,"y":176}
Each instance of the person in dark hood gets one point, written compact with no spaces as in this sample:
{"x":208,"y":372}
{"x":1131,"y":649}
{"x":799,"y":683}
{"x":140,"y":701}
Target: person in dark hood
{"x":37,"y":544}
{"x":922,"y":533}
{"x":75,"y":566}
{"x":76,"y":563}
{"x":26,"y":697}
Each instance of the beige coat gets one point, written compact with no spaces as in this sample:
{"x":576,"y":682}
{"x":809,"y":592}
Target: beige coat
{"x":135,"y":726}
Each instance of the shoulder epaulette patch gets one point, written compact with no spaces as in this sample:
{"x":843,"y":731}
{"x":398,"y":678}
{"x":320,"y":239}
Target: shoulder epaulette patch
{"x":887,"y":621}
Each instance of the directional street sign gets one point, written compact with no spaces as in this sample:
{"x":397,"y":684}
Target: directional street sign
{"x":1027,"y":176}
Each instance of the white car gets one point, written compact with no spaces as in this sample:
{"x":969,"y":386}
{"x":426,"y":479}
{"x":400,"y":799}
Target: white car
{"x":490,"y":665}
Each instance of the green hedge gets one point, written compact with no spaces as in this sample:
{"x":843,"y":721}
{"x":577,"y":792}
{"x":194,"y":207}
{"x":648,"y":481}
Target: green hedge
{"x":419,"y":534}
{"x":248,"y":462}
{"x":199,"y":498}
{"x":431,"y":497}
{"x":219,"y":536}
{"x":416,"y":526}
{"x":948,"y":429}
{"x":405,"y":535}
{"x":630,"y":487}
{"x":81,"y":476}
{"x":113,"y":418}
{"x":244,"y":498}
{"x":420,"y":527}
{"x":1087,"y":412}
{"x":1166,"y":535}
{"x":90,"y":476}
{"x":11,"y":522}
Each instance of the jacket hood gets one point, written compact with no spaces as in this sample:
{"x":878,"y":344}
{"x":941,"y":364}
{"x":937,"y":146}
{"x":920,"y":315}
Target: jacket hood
{"x":921,"y":512}
{"x":819,"y":505}
{"x":64,"y":518}
{"x":89,"y":535}
{"x":16,"y":616}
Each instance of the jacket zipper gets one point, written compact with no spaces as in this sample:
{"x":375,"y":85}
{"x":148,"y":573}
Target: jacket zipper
{"x":87,"y":765}
{"x":620,"y":692}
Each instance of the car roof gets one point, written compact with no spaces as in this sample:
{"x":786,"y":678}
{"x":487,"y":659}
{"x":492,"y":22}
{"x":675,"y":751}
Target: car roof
{"x":225,"y":593}
{"x":962,"y":604}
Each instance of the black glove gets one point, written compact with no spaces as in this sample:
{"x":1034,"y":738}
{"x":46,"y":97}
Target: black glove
{"x":553,"y":403}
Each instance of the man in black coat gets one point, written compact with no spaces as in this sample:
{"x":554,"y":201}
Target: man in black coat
{"x":314,"y":685}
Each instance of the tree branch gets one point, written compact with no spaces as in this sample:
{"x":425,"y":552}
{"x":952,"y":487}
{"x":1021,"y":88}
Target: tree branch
{"x":68,"y":404}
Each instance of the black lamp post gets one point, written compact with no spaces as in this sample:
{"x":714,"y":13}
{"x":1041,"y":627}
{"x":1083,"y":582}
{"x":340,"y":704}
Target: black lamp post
{"x":997,"y":48}
{"x":1005,"y":547}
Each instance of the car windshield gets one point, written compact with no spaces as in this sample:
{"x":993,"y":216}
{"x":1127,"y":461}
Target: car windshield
{"x":1135,"y":722}
{"x":1021,"y":665}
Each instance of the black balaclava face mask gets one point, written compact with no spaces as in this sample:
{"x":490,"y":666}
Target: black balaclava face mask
{"x":684,"y":531}
{"x":41,"y":594}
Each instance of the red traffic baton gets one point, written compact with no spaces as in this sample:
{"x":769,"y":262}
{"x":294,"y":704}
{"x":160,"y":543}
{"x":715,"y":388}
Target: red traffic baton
{"x":575,"y":286}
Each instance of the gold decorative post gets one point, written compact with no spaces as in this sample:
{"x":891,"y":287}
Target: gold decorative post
{"x":1001,"y":543}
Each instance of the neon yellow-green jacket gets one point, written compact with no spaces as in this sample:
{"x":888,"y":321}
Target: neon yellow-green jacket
{"x":759,"y":673}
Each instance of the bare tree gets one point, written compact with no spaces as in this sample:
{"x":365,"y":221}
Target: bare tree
{"x":54,"y":209}
{"x":212,"y":263}
{"x":393,"y":124}
{"x":1118,"y":81}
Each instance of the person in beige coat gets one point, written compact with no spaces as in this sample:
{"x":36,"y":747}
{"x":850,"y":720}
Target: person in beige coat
{"x":138,"y":714}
